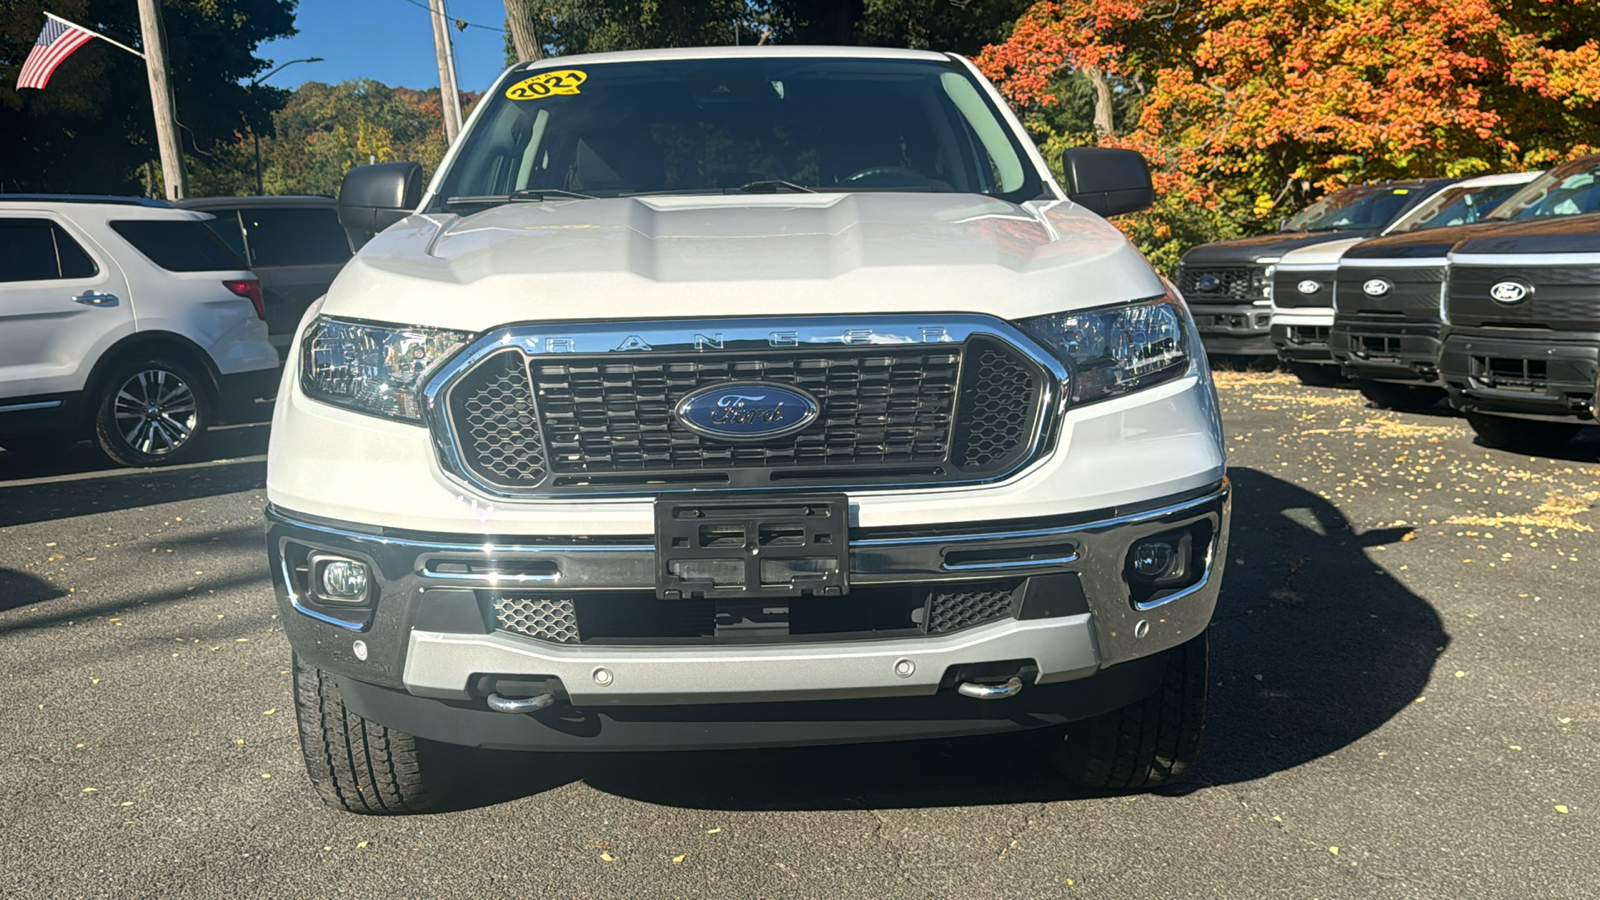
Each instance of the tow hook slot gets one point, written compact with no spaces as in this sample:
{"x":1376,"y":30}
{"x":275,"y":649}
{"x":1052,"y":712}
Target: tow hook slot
{"x":978,"y":691}
{"x":518,"y":705}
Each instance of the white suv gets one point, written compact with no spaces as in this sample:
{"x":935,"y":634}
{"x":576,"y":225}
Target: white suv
{"x":125,"y":320}
{"x":741,"y":397}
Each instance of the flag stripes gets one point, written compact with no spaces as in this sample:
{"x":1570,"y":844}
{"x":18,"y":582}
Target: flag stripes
{"x":56,"y":42}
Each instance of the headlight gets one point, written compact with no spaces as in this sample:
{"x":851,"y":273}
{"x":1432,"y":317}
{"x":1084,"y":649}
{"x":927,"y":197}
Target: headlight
{"x":375,"y":369}
{"x":1115,"y":350}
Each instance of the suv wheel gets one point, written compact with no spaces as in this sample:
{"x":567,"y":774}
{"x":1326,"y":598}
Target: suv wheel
{"x":152,"y":413}
{"x":1143,"y":745}
{"x":1409,"y":397}
{"x":360,"y":766}
{"x":1522,"y":434}
{"x":1316,"y":374}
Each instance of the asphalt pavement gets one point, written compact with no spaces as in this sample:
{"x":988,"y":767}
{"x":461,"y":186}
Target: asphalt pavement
{"x":1406,"y":702}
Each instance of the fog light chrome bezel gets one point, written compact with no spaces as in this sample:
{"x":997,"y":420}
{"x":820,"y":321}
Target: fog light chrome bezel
{"x":317,"y":563}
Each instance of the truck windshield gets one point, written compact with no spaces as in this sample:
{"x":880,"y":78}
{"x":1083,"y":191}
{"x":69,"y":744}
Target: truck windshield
{"x":1570,"y":189}
{"x":1366,"y":208}
{"x":752,"y":124}
{"x":1459,"y":205}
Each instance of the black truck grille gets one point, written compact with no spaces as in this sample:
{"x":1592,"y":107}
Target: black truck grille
{"x":1286,"y":293}
{"x":629,"y":617}
{"x":889,"y":415}
{"x":1564,"y":298}
{"x":1222,"y":284}
{"x":1412,"y":293}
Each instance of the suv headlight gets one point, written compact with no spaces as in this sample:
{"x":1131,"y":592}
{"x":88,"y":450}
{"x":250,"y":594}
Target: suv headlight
{"x":1116,"y":350}
{"x":374,"y":369}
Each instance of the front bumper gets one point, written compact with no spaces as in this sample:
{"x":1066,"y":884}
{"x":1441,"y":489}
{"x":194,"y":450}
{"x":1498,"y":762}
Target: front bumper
{"x":1234,"y":330}
{"x":430,"y":635}
{"x":1551,"y":377}
{"x":1301,"y":341}
{"x":1378,"y":350}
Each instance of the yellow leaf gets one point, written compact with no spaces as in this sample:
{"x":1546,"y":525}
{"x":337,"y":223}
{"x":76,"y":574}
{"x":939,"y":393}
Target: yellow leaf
{"x":607,"y":857}
{"x":126,"y":803}
{"x":1334,"y":850}
{"x":269,"y":712}
{"x":679,"y":858}
{"x":713,"y":830}
{"x":1561,"y":809}
{"x":89,"y":791}
{"x":362,"y":845}
{"x":241,"y":640}
{"x":1461,"y":674}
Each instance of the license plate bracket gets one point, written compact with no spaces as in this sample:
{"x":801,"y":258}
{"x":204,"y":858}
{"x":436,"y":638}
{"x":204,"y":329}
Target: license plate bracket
{"x":754,"y":548}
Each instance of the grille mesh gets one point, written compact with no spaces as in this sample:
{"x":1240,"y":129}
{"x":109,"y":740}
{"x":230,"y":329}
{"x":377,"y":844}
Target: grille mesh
{"x":997,"y":405}
{"x":1233,"y":283}
{"x":887,"y":407}
{"x":545,"y":618}
{"x":493,"y":409}
{"x":951,"y":609}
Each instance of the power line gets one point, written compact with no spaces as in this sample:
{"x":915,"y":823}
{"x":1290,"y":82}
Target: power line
{"x":459,"y":22}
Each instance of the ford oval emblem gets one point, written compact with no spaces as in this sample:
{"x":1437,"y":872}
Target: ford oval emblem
{"x":1309,"y":286}
{"x":1510,"y":293}
{"x":747,"y":410}
{"x":1376,"y":287}
{"x":1207,"y":283}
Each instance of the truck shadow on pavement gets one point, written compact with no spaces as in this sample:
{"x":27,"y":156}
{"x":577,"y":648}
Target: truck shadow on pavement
{"x":1313,"y":647}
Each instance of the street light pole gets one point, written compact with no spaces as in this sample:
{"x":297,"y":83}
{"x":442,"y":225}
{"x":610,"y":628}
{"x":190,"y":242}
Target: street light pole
{"x":255,"y":136}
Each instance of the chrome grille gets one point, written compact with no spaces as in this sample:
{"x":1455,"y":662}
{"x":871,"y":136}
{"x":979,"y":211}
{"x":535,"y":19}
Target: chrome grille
{"x":523,"y":420}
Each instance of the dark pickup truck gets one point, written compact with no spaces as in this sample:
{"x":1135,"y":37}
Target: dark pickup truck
{"x":1522,"y":352}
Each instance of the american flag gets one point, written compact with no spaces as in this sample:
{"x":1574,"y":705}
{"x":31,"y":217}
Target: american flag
{"x":56,"y":42}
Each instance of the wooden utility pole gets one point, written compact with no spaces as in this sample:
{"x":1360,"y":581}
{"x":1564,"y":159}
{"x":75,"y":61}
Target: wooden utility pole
{"x":155,"y":52}
{"x":449,"y":95}
{"x":523,"y":37}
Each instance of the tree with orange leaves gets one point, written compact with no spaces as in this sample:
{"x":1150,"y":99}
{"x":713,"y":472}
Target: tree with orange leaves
{"x":1250,"y":108}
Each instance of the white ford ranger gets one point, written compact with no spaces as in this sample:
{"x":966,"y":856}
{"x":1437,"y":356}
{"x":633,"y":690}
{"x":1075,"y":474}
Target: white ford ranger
{"x":744,"y":397}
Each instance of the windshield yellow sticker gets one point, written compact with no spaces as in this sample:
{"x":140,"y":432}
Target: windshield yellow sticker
{"x":546,"y":84}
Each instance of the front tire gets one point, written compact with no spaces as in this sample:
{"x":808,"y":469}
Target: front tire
{"x":1523,"y":435}
{"x":359,"y":766}
{"x":1403,"y":397}
{"x":152,"y":413}
{"x":1144,"y":745}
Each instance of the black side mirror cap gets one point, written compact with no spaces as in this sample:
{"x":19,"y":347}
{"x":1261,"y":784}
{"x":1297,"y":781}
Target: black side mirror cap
{"x":1106,"y":180}
{"x":374,"y":197}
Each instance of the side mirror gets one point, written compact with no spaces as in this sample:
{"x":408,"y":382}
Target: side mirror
{"x":374,"y":197}
{"x":1107,"y":181}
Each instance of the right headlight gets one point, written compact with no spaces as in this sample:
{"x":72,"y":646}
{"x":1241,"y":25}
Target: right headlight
{"x":372,"y":368}
{"x":1115,"y":350}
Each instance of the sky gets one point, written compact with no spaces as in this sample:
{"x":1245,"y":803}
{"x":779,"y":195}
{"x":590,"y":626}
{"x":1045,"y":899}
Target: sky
{"x":388,"y":40}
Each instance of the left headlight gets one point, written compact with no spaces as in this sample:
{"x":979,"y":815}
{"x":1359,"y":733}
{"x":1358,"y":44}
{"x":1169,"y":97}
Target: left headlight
{"x":374,"y":369}
{"x":1116,"y":350}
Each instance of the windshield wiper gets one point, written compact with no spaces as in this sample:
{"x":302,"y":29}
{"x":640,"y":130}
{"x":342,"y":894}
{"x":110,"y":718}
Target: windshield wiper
{"x":772,"y":186}
{"x":527,"y":194}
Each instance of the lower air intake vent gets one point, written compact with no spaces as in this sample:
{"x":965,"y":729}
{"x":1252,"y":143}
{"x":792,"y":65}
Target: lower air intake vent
{"x":544,"y":618}
{"x":954,"y":608}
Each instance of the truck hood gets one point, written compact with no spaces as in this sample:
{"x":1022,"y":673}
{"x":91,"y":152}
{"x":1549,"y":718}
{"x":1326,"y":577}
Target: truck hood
{"x":1557,"y":234}
{"x":1320,"y":256}
{"x":1248,"y":250}
{"x":1432,"y":243}
{"x":665,"y":256}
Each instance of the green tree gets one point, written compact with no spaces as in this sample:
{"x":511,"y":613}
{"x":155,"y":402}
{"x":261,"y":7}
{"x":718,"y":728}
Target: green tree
{"x":92,"y":129}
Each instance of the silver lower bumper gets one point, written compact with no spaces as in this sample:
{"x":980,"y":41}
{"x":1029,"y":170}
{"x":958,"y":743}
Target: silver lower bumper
{"x":441,"y":665}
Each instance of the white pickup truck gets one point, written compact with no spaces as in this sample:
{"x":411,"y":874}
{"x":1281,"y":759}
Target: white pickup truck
{"x":745,"y":397}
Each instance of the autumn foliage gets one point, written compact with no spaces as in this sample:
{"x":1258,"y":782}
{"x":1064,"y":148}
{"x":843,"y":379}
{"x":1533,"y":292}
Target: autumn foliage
{"x":1250,"y":108}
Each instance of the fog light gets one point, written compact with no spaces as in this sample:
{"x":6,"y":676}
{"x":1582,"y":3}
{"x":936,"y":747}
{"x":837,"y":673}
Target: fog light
{"x":1163,"y":559}
{"x":1152,"y":559}
{"x":340,"y":580}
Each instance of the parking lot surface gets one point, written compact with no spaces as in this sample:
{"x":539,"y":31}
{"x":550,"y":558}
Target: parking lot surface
{"x":1406,"y":702}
